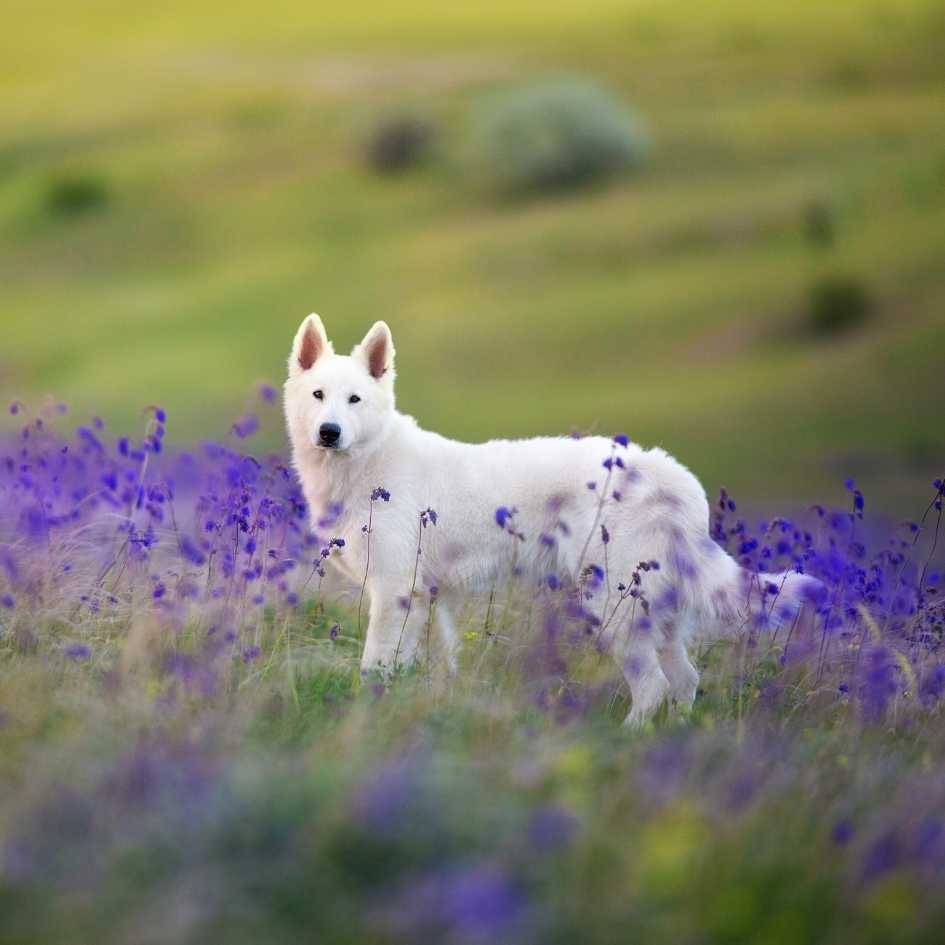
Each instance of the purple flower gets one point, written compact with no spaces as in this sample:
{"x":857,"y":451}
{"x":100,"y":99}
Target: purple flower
{"x":333,"y":512}
{"x":77,"y":652}
{"x":267,"y":393}
{"x":246,"y":426}
{"x":621,"y":439}
{"x":8,"y":601}
{"x":250,"y":653}
{"x":550,"y":828}
{"x":190,"y":551}
{"x":380,"y":493}
{"x":504,"y":517}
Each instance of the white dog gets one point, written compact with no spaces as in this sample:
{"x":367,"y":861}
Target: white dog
{"x":585,"y":510}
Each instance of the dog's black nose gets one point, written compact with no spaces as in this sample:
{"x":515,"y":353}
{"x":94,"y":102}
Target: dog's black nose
{"x":329,"y":434}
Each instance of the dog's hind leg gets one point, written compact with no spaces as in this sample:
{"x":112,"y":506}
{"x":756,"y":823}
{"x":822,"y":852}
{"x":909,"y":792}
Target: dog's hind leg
{"x":648,"y":683}
{"x":682,"y":676}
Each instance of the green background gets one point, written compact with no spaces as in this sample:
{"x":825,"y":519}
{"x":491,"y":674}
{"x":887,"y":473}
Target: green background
{"x":668,"y":305}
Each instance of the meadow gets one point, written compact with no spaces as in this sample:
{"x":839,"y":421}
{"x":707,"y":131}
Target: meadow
{"x":230,"y":197}
{"x":188,"y":751}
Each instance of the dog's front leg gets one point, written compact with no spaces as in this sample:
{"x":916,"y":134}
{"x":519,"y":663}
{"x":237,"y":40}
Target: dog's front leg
{"x":449,"y":637}
{"x":394,"y":630}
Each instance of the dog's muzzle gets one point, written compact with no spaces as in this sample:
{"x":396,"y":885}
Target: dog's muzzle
{"x":329,"y":434}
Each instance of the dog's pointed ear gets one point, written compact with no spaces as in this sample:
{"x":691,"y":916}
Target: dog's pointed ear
{"x":376,"y":351}
{"x":311,"y":343}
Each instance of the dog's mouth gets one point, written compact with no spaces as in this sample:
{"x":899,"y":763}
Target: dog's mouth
{"x":330,"y":447}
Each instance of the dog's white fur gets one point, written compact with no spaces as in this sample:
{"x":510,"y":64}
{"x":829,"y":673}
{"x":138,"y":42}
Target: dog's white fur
{"x":661,"y":514}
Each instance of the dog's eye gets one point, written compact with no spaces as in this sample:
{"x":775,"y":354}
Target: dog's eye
{"x":354,"y":399}
{"x":318,"y":395}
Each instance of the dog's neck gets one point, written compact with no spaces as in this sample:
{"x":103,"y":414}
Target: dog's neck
{"x":336,"y":476}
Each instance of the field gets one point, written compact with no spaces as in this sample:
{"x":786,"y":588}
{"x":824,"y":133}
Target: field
{"x":670,"y":305}
{"x":188,"y":751}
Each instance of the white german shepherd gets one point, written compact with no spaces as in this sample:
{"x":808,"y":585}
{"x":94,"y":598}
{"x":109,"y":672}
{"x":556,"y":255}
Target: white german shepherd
{"x":554,"y":494}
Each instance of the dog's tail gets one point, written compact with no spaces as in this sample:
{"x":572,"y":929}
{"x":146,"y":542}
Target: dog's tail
{"x":741,"y":599}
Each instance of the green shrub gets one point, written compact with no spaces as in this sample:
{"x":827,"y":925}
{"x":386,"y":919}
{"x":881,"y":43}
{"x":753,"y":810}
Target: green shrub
{"x":820,"y":223}
{"x":558,"y":134}
{"x":399,"y":142}
{"x":71,"y":195}
{"x":838,"y":303}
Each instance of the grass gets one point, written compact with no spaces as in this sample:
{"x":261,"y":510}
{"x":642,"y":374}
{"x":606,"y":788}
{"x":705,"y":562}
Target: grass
{"x":295,"y":802}
{"x":235,"y":202}
{"x":189,"y":753}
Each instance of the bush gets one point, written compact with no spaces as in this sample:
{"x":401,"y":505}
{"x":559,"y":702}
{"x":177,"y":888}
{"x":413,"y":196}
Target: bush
{"x":398,"y":143}
{"x":75,"y":194}
{"x":820,"y":228}
{"x":838,"y":303}
{"x":559,"y":134}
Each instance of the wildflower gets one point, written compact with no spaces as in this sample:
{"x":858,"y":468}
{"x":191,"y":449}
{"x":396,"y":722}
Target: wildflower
{"x":380,"y":493}
{"x":332,"y":514}
{"x":78,"y":652}
{"x":246,"y":426}
{"x":502,"y":515}
{"x":504,"y":518}
{"x":191,"y":552}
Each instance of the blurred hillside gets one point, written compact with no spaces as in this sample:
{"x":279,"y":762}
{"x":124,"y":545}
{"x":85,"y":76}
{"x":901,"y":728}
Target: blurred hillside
{"x":180,"y":183}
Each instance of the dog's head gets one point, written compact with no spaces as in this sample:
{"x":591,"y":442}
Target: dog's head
{"x":339,"y":402}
